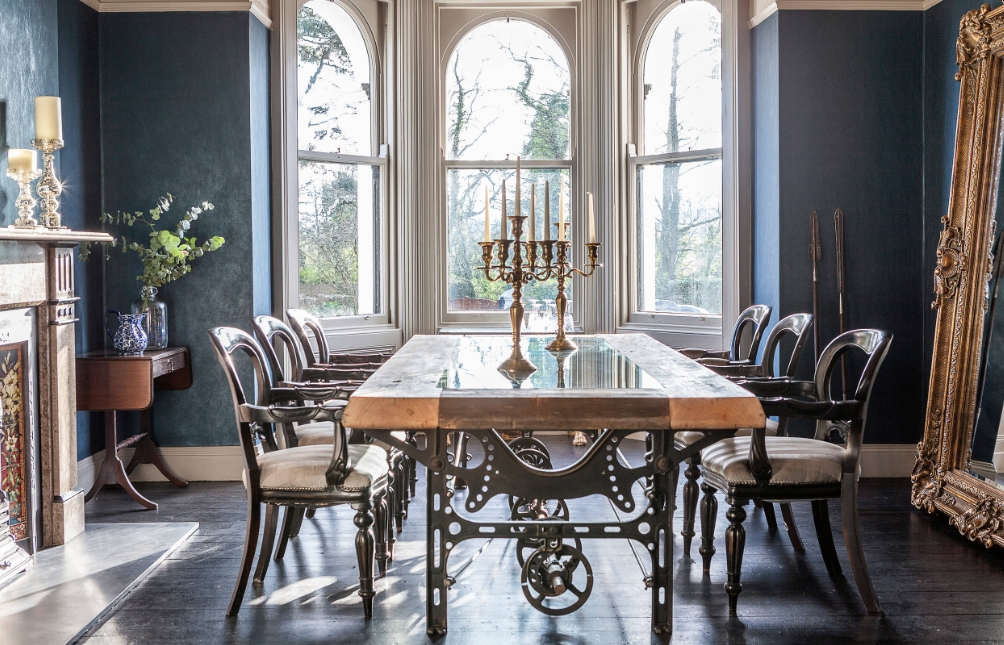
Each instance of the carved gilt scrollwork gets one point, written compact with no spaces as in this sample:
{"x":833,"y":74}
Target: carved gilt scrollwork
{"x":964,"y":269}
{"x":950,"y":261}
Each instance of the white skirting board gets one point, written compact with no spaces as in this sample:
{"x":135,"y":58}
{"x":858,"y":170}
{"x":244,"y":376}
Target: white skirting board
{"x":224,"y":463}
{"x":200,"y":463}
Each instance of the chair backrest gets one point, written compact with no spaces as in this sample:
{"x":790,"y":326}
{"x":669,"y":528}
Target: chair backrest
{"x":227,"y":341}
{"x":301,"y":322}
{"x":755,"y":317}
{"x":797,"y":325}
{"x":875,"y":344}
{"x":271,"y":331}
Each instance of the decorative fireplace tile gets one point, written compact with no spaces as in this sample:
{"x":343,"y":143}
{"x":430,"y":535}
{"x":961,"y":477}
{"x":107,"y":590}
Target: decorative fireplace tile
{"x":12,"y":433}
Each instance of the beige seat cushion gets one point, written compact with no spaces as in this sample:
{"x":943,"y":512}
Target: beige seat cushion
{"x":794,"y":460}
{"x":303,"y":468}
{"x":689,"y":437}
{"x":322,"y":433}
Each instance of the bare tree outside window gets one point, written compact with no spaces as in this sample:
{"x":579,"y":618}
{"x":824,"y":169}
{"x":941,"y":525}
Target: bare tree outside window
{"x":679,"y":205}
{"x":339,"y":176}
{"x":507,"y":94}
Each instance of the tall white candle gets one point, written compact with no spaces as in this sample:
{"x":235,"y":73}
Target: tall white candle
{"x":547,"y":211}
{"x":48,"y":118}
{"x":21,"y":159}
{"x":517,"y":188}
{"x":533,"y":210}
{"x":488,"y":228}
{"x":504,"y":221}
{"x":592,"y":221}
{"x":561,"y":211}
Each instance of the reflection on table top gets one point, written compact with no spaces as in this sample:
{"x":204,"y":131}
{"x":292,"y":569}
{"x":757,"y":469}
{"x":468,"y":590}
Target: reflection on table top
{"x":623,"y":381}
{"x":596,"y":364}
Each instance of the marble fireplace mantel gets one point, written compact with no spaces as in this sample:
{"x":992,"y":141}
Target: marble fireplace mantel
{"x":36,"y":271}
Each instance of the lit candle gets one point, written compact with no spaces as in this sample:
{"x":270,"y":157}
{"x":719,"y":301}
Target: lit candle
{"x":547,"y":211}
{"x":503,"y":227}
{"x":592,"y":221}
{"x":533,"y":209}
{"x":488,"y":228}
{"x":561,"y":211}
{"x":48,"y":118}
{"x":21,"y":159}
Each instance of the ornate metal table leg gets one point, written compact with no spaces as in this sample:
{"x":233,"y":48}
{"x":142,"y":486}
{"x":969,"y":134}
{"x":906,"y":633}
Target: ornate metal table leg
{"x":435,"y":551}
{"x":662,"y":527}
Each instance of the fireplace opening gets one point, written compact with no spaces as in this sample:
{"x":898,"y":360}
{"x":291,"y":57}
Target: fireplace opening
{"x":19,"y":430}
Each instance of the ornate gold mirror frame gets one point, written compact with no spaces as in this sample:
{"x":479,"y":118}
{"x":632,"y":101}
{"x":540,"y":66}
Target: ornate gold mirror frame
{"x":941,"y":479}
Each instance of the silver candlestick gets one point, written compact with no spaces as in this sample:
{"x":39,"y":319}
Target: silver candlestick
{"x":25,"y":202}
{"x":49,"y":187}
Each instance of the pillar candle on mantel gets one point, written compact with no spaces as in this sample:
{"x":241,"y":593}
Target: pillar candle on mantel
{"x":488,"y":227}
{"x":561,"y":211}
{"x":48,"y":118}
{"x":547,"y":211}
{"x":504,"y":196}
{"x":21,"y":159}
{"x":592,"y":221}
{"x":533,"y":209}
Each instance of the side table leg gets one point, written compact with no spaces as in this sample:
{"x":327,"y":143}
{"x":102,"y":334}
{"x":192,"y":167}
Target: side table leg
{"x":146,"y":451}
{"x":435,"y":554}
{"x":112,"y":471}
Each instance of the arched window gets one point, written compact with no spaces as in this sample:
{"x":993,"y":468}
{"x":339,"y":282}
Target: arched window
{"x":679,"y":171}
{"x":340,"y":206}
{"x":507,"y":94}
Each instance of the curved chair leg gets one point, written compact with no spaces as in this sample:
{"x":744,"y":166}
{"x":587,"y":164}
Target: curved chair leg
{"x":288,"y":517}
{"x":690,"y":495}
{"x":247,"y":559}
{"x":789,"y":523}
{"x":294,"y":528}
{"x":735,"y":542}
{"x":267,"y":540}
{"x":364,"y":554}
{"x":768,"y":514}
{"x":821,"y":518}
{"x":310,"y":513}
{"x":709,"y":514}
{"x":381,"y":531}
{"x":852,"y":538}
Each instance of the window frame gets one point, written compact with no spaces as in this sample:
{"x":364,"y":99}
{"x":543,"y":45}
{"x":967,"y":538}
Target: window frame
{"x":482,"y":14}
{"x":371,"y":18}
{"x":712,"y":331}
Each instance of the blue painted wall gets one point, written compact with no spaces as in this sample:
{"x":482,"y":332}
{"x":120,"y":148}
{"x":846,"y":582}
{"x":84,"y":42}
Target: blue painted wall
{"x":850,"y":134}
{"x":766,"y":213}
{"x":188,"y":116}
{"x":80,"y":171}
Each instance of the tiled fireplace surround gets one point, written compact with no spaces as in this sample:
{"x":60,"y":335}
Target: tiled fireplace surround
{"x":36,"y":272}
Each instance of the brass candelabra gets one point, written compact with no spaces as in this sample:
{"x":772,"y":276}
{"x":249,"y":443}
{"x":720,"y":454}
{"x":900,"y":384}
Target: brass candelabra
{"x":532,"y":260}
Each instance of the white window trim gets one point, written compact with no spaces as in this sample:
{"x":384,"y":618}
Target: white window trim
{"x":710,"y":331}
{"x":347,"y":332}
{"x":446,"y":319}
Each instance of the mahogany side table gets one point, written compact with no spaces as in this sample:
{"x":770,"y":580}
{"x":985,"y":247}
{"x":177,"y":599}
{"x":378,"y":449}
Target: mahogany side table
{"x":109,"y":382}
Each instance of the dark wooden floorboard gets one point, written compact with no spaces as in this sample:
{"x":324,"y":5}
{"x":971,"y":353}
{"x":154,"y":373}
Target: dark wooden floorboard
{"x":935,"y":586}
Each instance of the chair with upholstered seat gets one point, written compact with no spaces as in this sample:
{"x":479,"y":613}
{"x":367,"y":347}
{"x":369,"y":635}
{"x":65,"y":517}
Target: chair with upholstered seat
{"x":796,"y":325}
{"x":302,"y":476}
{"x":792,"y":468}
{"x":754,"y":318}
{"x":271,"y":332}
{"x":306,"y":326}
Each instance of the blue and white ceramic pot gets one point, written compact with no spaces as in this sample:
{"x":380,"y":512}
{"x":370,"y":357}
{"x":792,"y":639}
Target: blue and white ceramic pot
{"x":129,"y":339}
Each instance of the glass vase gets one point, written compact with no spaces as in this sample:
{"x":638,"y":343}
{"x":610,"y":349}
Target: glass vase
{"x":155,"y":324}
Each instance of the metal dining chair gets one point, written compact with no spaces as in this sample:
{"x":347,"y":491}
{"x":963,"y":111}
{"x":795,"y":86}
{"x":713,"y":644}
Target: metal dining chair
{"x":302,"y":476}
{"x":754,"y":318}
{"x":271,"y":333}
{"x":797,"y":326}
{"x":793,"y":468}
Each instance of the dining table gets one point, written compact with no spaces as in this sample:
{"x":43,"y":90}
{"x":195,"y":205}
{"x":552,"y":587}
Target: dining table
{"x":479,"y":418}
